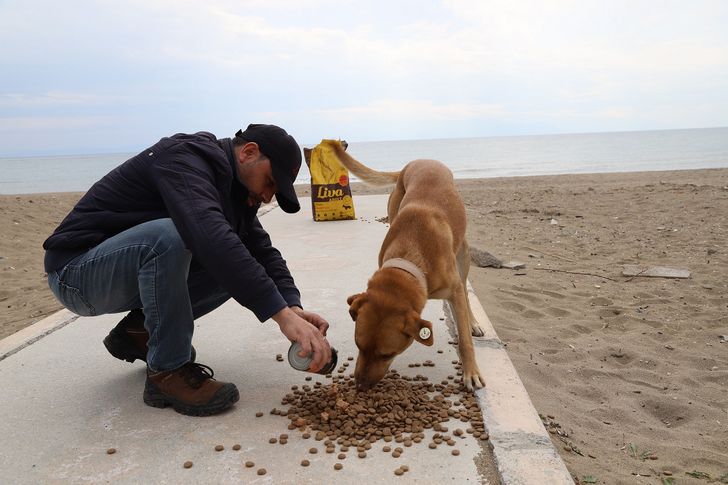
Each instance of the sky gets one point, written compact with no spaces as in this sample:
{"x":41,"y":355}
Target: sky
{"x":105,"y":77}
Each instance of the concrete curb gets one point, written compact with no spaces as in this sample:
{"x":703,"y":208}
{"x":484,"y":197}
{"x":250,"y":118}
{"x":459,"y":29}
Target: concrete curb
{"x":521,"y":445}
{"x":27,"y":336}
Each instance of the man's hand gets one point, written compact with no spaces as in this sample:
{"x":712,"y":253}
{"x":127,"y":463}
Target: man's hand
{"x":313,"y":318}
{"x":309,"y":331}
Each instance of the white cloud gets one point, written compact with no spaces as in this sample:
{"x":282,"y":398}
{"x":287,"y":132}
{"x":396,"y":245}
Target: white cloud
{"x":402,"y":110}
{"x":52,"y":98}
{"x":64,"y":123}
{"x":375,"y":67}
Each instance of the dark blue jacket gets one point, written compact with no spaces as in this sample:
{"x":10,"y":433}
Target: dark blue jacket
{"x":193,"y":180}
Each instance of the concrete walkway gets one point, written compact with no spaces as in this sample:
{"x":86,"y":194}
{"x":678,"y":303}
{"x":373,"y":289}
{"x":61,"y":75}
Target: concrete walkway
{"x":65,"y":401}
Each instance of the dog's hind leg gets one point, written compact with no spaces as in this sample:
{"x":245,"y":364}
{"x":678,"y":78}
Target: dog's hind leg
{"x":395,"y":199}
{"x":463,"y":260}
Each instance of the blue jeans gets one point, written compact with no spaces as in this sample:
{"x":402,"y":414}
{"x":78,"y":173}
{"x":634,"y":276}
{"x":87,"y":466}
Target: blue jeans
{"x":147,"y":267}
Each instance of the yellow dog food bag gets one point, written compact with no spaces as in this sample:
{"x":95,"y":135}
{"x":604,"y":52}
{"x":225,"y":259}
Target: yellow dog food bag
{"x":330,"y":190}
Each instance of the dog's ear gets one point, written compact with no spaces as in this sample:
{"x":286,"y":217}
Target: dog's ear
{"x":419,"y":329}
{"x":355,"y":302}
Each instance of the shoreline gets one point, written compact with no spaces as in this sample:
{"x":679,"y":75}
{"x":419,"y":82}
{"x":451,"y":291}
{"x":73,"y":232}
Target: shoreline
{"x":614,"y":364}
{"x":302,"y":188}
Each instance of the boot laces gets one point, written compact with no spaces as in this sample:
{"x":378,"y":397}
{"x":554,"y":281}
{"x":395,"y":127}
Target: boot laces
{"x":195,"y":374}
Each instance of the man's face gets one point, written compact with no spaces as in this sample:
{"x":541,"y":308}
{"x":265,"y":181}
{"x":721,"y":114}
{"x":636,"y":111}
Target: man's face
{"x":256,"y":174}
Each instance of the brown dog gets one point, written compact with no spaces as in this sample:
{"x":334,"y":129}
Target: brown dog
{"x":424,"y":256}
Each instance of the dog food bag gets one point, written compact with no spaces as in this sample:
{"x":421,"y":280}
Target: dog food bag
{"x":330,"y":190}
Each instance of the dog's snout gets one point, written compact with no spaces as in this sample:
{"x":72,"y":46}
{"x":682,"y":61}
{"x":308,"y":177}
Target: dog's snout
{"x":362,"y":385}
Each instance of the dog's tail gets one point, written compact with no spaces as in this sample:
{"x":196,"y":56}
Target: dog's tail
{"x":366,"y":174}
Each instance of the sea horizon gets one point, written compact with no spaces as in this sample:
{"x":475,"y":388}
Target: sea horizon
{"x":467,"y":157}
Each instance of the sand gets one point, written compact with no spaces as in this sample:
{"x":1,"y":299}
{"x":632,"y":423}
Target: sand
{"x":630,"y":373}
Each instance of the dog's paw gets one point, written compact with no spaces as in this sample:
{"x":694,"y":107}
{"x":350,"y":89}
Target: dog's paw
{"x":476,"y":330}
{"x":473,"y":380}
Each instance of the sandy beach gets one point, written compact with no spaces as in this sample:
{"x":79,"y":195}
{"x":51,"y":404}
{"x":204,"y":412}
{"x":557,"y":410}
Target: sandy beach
{"x":630,"y":374}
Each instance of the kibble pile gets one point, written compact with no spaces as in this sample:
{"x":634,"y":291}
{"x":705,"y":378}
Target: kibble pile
{"x":397,"y":406}
{"x":400,"y":408}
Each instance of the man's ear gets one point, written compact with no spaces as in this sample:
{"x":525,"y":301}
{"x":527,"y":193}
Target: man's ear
{"x":249,"y":152}
{"x":355,"y":302}
{"x":419,"y":329}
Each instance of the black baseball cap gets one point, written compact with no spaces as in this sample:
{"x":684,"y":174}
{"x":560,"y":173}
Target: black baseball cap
{"x":285,"y":160}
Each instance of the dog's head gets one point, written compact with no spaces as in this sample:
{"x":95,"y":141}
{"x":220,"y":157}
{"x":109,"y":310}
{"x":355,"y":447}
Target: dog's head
{"x":385,"y":327}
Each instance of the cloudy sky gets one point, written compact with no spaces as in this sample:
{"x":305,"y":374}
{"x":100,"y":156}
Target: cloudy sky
{"x":101,"y":76}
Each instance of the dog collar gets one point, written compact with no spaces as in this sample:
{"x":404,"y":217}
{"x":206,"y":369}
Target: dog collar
{"x":409,"y":267}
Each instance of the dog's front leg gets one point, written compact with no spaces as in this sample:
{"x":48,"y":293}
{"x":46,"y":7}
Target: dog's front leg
{"x":471,"y":373}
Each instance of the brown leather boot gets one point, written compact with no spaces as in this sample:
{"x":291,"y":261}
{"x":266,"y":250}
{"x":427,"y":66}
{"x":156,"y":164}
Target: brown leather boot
{"x":128,"y":340}
{"x":190,"y":390}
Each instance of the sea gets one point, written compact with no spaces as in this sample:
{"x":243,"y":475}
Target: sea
{"x":482,"y":157}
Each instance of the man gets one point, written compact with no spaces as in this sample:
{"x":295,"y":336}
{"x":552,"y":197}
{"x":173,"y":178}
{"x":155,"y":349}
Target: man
{"x":170,"y":235}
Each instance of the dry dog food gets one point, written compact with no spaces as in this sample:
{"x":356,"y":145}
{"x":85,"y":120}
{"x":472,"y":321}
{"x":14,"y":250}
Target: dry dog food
{"x":338,"y":466}
{"x":111,"y":451}
{"x":249,"y":464}
{"x":399,"y":409}
{"x":219,"y":447}
{"x":236,"y":447}
{"x":262,"y":471}
{"x":187,"y":464}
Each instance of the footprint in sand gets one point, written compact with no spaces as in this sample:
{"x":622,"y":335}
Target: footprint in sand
{"x":516,"y":307}
{"x":557,"y":312}
{"x":532,"y":314}
{"x":610,"y":312}
{"x":667,"y":412}
{"x":513,"y":306}
{"x":600,"y":301}
{"x":581,"y":329}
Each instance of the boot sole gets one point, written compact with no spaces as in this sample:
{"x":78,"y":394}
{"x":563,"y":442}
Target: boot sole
{"x":223,"y":399}
{"x":123,"y":349}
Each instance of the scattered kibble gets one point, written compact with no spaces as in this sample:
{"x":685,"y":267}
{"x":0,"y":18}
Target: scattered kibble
{"x":258,"y":414}
{"x":399,"y":472}
{"x":187,"y":464}
{"x":249,"y":464}
{"x":219,"y":447}
{"x":111,"y":451}
{"x":455,"y":452}
{"x":399,"y":409}
{"x":305,"y":462}
{"x":236,"y":447}
{"x":262,"y":471}
{"x":273,"y":440}
{"x":338,"y":466}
